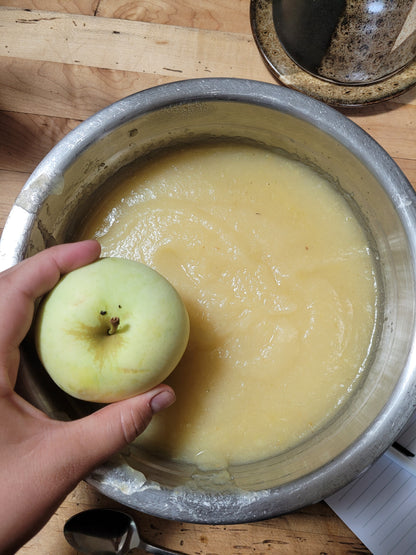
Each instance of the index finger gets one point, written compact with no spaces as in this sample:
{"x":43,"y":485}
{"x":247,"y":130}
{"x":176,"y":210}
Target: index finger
{"x":36,"y":275}
{"x":21,"y":285}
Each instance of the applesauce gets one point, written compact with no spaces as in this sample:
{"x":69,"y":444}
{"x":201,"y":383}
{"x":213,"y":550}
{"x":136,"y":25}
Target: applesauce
{"x":279,"y":282}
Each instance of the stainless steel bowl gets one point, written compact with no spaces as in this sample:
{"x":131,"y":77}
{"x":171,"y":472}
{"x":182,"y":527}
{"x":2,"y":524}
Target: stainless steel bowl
{"x":62,"y":189}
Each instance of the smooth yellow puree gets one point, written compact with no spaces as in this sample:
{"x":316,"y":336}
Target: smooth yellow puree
{"x":278,"y":279}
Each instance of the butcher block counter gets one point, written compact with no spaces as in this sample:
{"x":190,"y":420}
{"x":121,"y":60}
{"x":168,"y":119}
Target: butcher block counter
{"x":63,"y":60}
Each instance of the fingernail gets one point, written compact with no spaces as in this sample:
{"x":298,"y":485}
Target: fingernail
{"x":162,"y":400}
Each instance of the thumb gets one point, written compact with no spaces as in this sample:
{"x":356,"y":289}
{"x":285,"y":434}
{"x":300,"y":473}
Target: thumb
{"x":94,"y":438}
{"x":63,"y":453}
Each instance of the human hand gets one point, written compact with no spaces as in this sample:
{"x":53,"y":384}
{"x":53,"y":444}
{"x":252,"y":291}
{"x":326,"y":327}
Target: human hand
{"x":42,"y":460}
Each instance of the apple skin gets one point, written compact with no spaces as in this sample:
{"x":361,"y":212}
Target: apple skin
{"x":73,"y":322}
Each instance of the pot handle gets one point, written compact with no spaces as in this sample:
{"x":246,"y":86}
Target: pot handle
{"x":403,"y":457}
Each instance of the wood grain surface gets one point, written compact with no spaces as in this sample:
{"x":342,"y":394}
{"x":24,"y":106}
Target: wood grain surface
{"x":63,"y":60}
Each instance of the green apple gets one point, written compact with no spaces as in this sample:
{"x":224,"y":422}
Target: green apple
{"x":111,"y":330}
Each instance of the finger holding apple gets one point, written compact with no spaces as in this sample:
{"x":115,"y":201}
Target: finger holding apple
{"x":110,"y":330}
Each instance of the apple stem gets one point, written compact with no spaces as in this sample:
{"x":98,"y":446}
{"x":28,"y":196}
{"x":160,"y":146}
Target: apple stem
{"x":115,"y":322}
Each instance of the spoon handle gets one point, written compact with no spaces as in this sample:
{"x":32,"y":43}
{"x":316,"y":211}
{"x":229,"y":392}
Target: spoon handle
{"x":158,"y":550}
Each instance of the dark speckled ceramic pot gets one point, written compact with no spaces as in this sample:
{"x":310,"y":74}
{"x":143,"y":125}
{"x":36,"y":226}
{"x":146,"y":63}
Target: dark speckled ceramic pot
{"x":348,"y":41}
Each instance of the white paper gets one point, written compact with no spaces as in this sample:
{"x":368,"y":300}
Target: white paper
{"x":380,"y":506}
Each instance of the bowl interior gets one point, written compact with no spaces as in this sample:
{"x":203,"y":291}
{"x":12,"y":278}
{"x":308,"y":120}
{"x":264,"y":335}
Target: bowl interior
{"x":62,"y":191}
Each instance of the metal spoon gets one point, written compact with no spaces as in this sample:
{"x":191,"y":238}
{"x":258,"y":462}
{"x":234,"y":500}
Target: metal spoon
{"x":107,"y":532}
